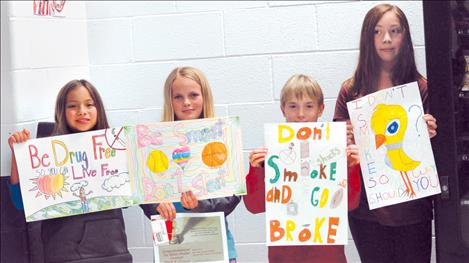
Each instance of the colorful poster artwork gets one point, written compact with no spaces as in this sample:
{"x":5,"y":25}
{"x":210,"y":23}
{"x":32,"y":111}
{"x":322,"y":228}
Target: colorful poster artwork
{"x":203,"y":156}
{"x":395,"y":152}
{"x":73,"y":174}
{"x":48,"y":8}
{"x":306,"y":184}
{"x":195,"y":237}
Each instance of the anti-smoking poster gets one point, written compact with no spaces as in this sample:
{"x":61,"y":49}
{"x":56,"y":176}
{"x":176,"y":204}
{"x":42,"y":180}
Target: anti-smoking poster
{"x":306,"y":184}
{"x":395,"y":152}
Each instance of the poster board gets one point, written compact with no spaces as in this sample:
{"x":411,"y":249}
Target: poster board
{"x":306,"y":184}
{"x":396,"y":156}
{"x":118,"y":167}
{"x":74,"y":174}
{"x":202,"y":155}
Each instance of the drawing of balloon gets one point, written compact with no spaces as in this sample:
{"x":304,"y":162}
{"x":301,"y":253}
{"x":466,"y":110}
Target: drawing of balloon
{"x":214,"y":154}
{"x":181,"y":156}
{"x":157,"y":161}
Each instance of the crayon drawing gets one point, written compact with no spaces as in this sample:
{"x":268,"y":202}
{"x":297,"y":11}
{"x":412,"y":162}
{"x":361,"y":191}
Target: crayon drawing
{"x":50,"y":185}
{"x":202,"y":155}
{"x":74,"y":174}
{"x":395,"y":151}
{"x":306,"y":184}
{"x":389,"y":124}
{"x":119,"y":167}
{"x":79,"y":191}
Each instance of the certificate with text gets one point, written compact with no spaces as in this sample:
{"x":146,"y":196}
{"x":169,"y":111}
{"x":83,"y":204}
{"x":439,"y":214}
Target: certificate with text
{"x":195,"y":237}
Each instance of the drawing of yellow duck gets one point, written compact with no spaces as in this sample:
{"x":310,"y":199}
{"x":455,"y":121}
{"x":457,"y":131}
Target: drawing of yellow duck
{"x":389,"y":124}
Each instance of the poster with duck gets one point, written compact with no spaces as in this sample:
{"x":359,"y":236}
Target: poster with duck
{"x":73,"y":174}
{"x":396,"y":156}
{"x":306,"y":184}
{"x":203,"y":156}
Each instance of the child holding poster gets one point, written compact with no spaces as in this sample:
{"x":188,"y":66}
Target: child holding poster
{"x":187,"y":96}
{"x":401,"y":232}
{"x":301,"y":100}
{"x":94,"y":237}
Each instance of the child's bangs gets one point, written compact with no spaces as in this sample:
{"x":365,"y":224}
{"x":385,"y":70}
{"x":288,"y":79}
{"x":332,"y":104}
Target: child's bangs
{"x":302,"y":90}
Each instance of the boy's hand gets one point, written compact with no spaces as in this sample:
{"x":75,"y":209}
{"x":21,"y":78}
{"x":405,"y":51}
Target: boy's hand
{"x":431,"y":124}
{"x":18,"y":137}
{"x":257,"y":157}
{"x":167,"y":211}
{"x":189,"y":200}
{"x":352,"y":155}
{"x":350,"y":139}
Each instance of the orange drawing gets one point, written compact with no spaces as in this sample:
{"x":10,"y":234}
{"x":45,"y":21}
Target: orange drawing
{"x":214,"y":154}
{"x":50,"y":185}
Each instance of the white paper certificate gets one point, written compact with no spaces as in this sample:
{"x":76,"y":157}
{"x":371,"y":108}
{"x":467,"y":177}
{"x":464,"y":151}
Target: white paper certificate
{"x":196,"y":237}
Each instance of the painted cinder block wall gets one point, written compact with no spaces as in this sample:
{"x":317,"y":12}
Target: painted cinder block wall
{"x":247,"y":49}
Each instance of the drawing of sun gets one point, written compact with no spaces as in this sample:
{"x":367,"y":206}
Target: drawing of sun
{"x":50,"y":185}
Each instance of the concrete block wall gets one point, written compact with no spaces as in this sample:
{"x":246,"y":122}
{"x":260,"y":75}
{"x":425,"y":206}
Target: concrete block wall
{"x":247,"y":49}
{"x":38,"y":56}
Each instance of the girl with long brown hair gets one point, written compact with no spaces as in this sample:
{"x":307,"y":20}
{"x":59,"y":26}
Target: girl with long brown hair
{"x":93,"y":237}
{"x":401,"y":232}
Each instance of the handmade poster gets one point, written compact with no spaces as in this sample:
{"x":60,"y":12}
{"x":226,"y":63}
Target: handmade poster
{"x":306,"y":184}
{"x":395,"y":152}
{"x":202,"y":155}
{"x":73,"y":174}
{"x":195,"y":237}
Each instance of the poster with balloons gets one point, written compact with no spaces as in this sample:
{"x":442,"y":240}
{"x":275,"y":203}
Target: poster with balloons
{"x":73,"y":174}
{"x":395,"y":152}
{"x":203,"y":156}
{"x":306,"y":184}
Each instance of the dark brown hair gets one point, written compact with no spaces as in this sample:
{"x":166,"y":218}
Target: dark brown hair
{"x":366,"y":76}
{"x":61,"y":125}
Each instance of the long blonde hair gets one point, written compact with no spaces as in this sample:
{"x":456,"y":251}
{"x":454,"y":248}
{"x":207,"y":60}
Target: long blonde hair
{"x":195,"y":75}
